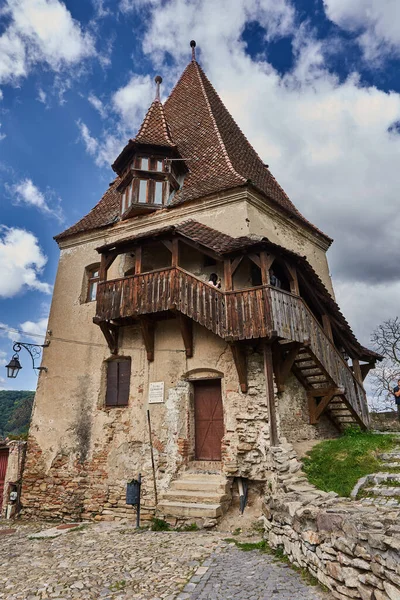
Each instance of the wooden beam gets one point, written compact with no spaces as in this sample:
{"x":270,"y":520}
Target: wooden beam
{"x":256,"y":260}
{"x":365,"y":369}
{"x":110,"y":333}
{"x":138,"y":260}
{"x":175,"y":252}
{"x":269,"y":388}
{"x":266,"y":261}
{"x":357,"y":370}
{"x":147,"y":329}
{"x":107,"y":259}
{"x":315,"y":409}
{"x":228,"y":275}
{"x":167,"y":244}
{"x":186,"y":327}
{"x":284,"y":365}
{"x":326,"y":324}
{"x":320,"y":392}
{"x":239,"y":358}
{"x":235,"y":263}
{"x":294,"y":283}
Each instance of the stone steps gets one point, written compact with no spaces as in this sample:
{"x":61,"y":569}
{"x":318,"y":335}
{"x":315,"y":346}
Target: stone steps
{"x":196,"y":495}
{"x":189,"y":509}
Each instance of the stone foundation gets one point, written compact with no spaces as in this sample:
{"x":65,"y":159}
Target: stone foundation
{"x":351,"y":549}
{"x":16,"y":456}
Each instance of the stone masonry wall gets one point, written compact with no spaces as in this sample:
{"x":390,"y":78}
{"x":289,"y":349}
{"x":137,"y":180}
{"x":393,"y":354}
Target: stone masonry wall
{"x":350,"y":548}
{"x":16,"y":455}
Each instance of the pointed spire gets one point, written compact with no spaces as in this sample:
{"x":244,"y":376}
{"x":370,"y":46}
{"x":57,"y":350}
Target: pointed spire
{"x":193,"y":47}
{"x":158,"y":80}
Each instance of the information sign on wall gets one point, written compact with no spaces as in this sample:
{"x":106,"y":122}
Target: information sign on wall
{"x":156,"y":392}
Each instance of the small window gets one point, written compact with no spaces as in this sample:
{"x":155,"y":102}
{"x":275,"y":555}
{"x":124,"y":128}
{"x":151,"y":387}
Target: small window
{"x":142,"y":190}
{"x":93,"y":280}
{"x":145,"y":164}
{"x":158,"y":194}
{"x":159,"y":165}
{"x":118,"y":382}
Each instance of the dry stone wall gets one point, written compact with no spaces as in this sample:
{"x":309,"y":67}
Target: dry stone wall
{"x":350,"y":548}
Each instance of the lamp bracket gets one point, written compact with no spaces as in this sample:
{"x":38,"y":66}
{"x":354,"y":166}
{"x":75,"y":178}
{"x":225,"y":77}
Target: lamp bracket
{"x":34,"y":350}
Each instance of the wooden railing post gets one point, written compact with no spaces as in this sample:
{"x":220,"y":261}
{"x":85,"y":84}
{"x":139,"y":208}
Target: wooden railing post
{"x":269,"y":388}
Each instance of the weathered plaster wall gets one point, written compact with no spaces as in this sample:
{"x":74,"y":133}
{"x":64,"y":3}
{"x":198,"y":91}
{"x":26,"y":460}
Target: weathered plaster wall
{"x":294,"y":415}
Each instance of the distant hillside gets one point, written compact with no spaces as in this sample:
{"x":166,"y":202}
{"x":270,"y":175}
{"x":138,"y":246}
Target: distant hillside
{"x":15,"y":412}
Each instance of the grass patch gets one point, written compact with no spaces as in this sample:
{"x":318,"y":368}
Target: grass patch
{"x":189,"y":527}
{"x":337,"y":465}
{"x":159,"y":525}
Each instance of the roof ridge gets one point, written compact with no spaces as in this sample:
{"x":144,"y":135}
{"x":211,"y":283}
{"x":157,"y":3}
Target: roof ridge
{"x":239,"y":128}
{"x":221,"y":141}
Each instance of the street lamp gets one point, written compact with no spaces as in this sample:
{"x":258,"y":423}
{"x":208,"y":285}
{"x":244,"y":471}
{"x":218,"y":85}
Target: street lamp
{"x":13,"y":367}
{"x":34,"y":350}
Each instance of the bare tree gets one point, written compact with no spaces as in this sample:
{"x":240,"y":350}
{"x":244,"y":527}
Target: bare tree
{"x":386,"y":341}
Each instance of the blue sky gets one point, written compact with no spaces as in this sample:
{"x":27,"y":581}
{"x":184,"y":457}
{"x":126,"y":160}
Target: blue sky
{"x":312,"y":83}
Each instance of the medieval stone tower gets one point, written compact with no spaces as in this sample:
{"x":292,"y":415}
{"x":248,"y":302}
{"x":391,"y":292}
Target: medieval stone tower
{"x":194,"y":290}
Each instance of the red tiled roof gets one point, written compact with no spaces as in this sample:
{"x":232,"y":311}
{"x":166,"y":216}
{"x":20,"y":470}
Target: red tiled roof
{"x":154,"y":129}
{"x":215,"y":150}
{"x":104,"y":213}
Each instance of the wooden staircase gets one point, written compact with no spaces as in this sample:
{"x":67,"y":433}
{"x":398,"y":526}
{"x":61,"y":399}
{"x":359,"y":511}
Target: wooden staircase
{"x":324,"y":394}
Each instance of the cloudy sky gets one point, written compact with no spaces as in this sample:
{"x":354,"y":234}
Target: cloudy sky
{"x":312,"y":83}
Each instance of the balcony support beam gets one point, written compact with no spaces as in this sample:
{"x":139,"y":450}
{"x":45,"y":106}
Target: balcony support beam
{"x":110,"y":332}
{"x":239,"y":358}
{"x":147,"y":328}
{"x":365,"y":369}
{"x":316,"y":409}
{"x":186,"y":327}
{"x":107,"y":259}
{"x":266,"y":261}
{"x":283,"y":364}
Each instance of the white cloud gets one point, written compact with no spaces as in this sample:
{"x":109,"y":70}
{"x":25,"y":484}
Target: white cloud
{"x":25,"y":192}
{"x":40,"y":31}
{"x":132,"y":100}
{"x":33,"y":329}
{"x":98,"y":105}
{"x":375,"y":21}
{"x":42,"y":96}
{"x":2,"y":135}
{"x":21,"y":262}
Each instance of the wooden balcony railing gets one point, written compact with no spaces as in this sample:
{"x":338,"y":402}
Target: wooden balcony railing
{"x":259,"y":312}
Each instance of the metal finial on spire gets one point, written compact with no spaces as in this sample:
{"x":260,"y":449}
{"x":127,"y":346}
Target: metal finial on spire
{"x":193,"y":47}
{"x":158,"y":80}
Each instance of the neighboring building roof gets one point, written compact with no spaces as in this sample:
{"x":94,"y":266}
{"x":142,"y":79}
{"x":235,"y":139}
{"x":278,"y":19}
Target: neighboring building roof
{"x":195,"y":122}
{"x":224,"y":244}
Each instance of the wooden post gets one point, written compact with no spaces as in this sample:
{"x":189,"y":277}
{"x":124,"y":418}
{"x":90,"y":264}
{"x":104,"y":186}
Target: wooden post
{"x":138,"y":260}
{"x":357,"y":370}
{"x":326,"y":324}
{"x":269,"y":387}
{"x":228,"y":274}
{"x":294,"y":282}
{"x":175,"y":252}
{"x":266,"y":261}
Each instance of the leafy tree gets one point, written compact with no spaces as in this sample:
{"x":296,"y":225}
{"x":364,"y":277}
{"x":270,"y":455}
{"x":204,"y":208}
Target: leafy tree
{"x":386,"y":341}
{"x":15,"y":412}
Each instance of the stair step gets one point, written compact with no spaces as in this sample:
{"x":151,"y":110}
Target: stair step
{"x":188,"y":496}
{"x":189,"y":509}
{"x":209,"y":477}
{"x":194,"y":485}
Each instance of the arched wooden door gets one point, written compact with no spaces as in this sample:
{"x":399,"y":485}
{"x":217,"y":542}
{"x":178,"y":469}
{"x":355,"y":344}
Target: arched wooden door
{"x":209,"y":419}
{"x":3,"y":471}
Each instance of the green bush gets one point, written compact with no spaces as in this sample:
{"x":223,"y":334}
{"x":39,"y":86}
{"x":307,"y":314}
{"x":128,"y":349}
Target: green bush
{"x":159,"y":525}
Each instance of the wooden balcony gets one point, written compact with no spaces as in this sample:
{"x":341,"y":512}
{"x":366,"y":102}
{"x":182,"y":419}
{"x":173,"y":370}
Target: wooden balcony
{"x":262,"y":312}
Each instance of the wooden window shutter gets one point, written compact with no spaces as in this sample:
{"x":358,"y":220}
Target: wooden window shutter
{"x":112,"y":383}
{"x":124,"y":380}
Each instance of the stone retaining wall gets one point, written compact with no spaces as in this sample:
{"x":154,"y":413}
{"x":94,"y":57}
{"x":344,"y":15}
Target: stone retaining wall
{"x":350,"y":548}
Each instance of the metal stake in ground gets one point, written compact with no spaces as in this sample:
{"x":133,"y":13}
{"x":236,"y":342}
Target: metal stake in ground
{"x":152,"y":459}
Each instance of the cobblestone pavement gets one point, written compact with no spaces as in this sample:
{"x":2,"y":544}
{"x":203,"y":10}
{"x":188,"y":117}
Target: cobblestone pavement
{"x":238,"y":575}
{"x":112,"y":561}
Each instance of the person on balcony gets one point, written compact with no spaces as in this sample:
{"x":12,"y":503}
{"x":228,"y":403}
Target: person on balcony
{"x":213,"y":280}
{"x":274,"y":280}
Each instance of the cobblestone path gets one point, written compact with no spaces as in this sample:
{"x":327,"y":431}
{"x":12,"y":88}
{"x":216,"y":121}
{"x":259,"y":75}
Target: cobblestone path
{"x":111,"y":561}
{"x":237,"y":575}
